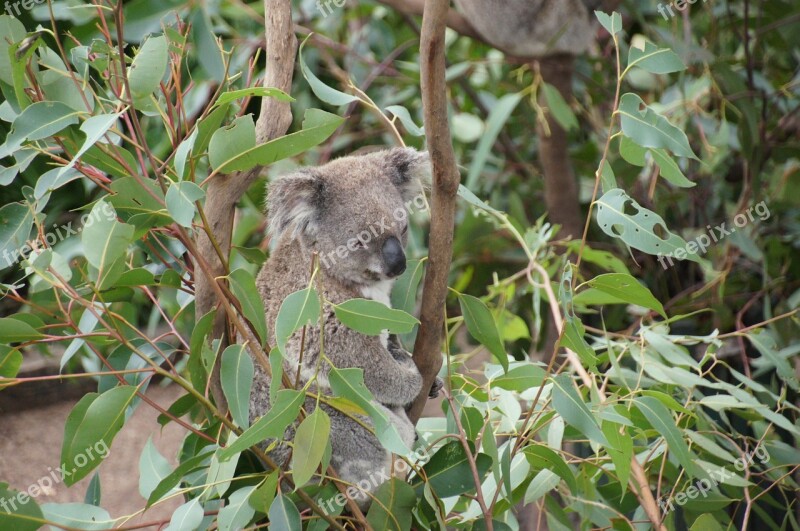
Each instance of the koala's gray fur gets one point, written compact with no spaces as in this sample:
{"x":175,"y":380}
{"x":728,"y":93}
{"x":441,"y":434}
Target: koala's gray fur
{"x":531,"y":28}
{"x":321,"y":209}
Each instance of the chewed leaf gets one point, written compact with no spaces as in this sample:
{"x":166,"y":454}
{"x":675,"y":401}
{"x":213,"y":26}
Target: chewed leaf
{"x":649,"y":129}
{"x":638,"y":229}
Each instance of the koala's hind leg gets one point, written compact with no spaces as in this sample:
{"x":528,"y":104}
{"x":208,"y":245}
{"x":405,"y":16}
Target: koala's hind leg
{"x":358,"y":457}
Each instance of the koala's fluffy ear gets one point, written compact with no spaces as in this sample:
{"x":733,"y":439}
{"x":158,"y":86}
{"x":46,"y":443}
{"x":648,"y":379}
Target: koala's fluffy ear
{"x":293,"y":202}
{"x":409,"y":168}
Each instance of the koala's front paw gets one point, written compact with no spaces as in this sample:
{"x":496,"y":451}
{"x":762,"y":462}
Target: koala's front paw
{"x":436,"y":387}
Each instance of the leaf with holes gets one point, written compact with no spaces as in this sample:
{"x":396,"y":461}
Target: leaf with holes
{"x":649,"y":129}
{"x":638,"y":230}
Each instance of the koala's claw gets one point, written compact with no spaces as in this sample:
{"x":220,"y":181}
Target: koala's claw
{"x":436,"y":387}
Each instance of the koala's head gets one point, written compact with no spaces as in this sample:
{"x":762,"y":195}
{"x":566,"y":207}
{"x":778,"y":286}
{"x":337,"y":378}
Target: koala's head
{"x":352,"y":211}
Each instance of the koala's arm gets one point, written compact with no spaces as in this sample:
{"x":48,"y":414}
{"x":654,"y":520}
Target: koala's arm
{"x":402,"y":356}
{"x":392,"y":379}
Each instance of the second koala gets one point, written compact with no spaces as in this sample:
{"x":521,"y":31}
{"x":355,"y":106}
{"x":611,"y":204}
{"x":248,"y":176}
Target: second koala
{"x":348,"y":212}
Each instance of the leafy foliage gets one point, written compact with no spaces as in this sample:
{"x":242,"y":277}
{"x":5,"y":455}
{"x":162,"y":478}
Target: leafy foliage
{"x":685,"y":376}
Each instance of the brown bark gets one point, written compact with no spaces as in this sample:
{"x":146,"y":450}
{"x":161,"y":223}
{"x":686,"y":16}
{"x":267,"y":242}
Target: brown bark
{"x":224,"y":191}
{"x":427,"y":352}
{"x":560,"y":185}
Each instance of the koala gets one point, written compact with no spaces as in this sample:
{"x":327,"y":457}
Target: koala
{"x":352,"y":213}
{"x":531,"y":28}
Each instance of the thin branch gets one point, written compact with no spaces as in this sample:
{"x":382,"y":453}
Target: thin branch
{"x":446,"y":179}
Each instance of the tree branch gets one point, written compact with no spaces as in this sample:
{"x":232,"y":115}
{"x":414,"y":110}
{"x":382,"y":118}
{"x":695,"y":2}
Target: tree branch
{"x":427,"y":353}
{"x":224,"y":191}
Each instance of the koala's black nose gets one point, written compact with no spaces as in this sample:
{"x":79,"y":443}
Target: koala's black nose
{"x":393,"y":257}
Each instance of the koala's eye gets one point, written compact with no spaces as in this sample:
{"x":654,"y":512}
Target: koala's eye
{"x":359,"y":244}
{"x":404,"y":231}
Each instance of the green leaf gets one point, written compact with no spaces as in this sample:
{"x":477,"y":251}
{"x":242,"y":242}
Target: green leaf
{"x":171,"y":481}
{"x":237,"y":513}
{"x":498,"y":116}
{"x":372,"y":317}
{"x":542,"y":457}
{"x":180,"y":201}
{"x":11,"y":31}
{"x":243,"y":286}
{"x":262,"y":92}
{"x":310,"y":441}
{"x":95,"y":128}
{"x":669,"y":169}
{"x":632,"y":152}
{"x":16,"y":222}
{"x":520,"y":378}
{"x":105,"y":242}
{"x":638,"y":230}
{"x":283,"y":515}
{"x":649,"y":129}
{"x":404,"y":116}
{"x":262,"y":497}
{"x":349,"y":384}
{"x":38,"y":121}
{"x":661,"y":419}
{"x":612,"y":23}
{"x":765,"y":343}
{"x":626,"y":288}
{"x":231,"y":141}
{"x":449,"y":473}
{"x":94,"y":492}
{"x":482,"y":326}
{"x":148,"y":68}
{"x":236,"y":374}
{"x":543,"y":482}
{"x":317,"y":127}
{"x":208,"y":126}
{"x":320,"y":89}
{"x":298,"y":309}
{"x":271,"y":426}
{"x":15,"y":331}
{"x":404,"y":293}
{"x":10,"y":361}
{"x":182,"y":153}
{"x":91,"y":426}
{"x":569,"y":404}
{"x":654,"y":59}
{"x":187,"y":517}
{"x":573,"y":339}
{"x":20,"y":516}
{"x":559,"y":108}
{"x":620,"y":449}
{"x":706,"y":522}
{"x":209,"y":50}
{"x":392,"y":510}
{"x":77,"y":516}
{"x":153,"y":468}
